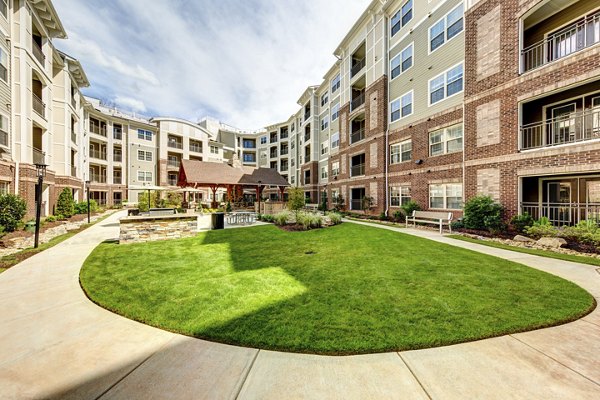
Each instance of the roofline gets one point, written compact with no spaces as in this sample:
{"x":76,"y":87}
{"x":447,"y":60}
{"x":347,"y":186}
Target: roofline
{"x":361,"y":20}
{"x":54,"y":32}
{"x":84,"y":81}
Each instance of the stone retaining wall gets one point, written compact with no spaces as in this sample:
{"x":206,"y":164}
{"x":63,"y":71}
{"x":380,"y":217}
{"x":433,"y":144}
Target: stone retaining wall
{"x":149,"y":229}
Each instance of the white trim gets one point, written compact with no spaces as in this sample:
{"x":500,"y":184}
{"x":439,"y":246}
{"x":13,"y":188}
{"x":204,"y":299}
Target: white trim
{"x":429,"y":103}
{"x":446,"y":40}
{"x":399,"y":55}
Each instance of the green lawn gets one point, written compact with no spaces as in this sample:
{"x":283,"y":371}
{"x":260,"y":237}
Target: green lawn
{"x":535,"y":252}
{"x":349,"y":289}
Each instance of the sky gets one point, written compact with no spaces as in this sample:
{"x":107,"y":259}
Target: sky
{"x":244,"y":62}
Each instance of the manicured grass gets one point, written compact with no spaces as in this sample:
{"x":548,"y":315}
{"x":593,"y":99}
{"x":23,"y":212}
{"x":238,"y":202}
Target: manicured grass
{"x":535,"y":252}
{"x":344,"y":290}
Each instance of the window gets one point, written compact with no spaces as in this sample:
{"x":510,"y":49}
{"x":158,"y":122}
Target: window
{"x":144,"y":155}
{"x":335,"y":168}
{"x":446,"y":28}
{"x":402,"y":61}
{"x":3,"y":63}
{"x":335,"y":112}
{"x":399,"y":196}
{"x":335,"y":140}
{"x":335,"y":84}
{"x":324,"y":147}
{"x":214,"y":150}
{"x":263,"y":140}
{"x":446,"y":196}
{"x":401,"y":152}
{"x":324,"y":99}
{"x":402,"y":107}
{"x":4,"y":188}
{"x":144,"y":134}
{"x":324,"y":122}
{"x":445,"y":141}
{"x":446,"y":85}
{"x":324,"y":174}
{"x":402,"y":17}
{"x":144,"y":176}
{"x":4,"y":8}
{"x":293,"y":180}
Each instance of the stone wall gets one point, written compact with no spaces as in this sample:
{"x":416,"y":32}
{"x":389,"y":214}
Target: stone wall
{"x":150,"y":229}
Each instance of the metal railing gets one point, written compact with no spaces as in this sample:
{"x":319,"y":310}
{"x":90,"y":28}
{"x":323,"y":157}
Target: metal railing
{"x":273,"y":139}
{"x":172,"y":182}
{"x":38,"y":52}
{"x":356,"y":205}
{"x":357,"y":135}
{"x":117,"y":134}
{"x":357,"y":102}
{"x":73,"y":171}
{"x":307,"y":136}
{"x":117,"y":178}
{"x":357,"y":170}
{"x":284,"y":152}
{"x":306,"y":115}
{"x":97,"y":178}
{"x":3,"y":138}
{"x":175,"y":144}
{"x":117,"y":157}
{"x":38,"y":105}
{"x":249,"y":145}
{"x":576,"y":127}
{"x":574,"y":38}
{"x":98,"y":130}
{"x":74,"y":137}
{"x":561,"y":214}
{"x":73,"y":102}
{"x":39,"y":157}
{"x":273,"y":154}
{"x":97,"y":154}
{"x":284,"y":135}
{"x":196,"y":148}
{"x":356,"y":68}
{"x":173,"y":163}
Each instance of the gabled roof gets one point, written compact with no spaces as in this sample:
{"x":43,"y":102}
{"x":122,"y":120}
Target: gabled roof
{"x":75,"y":69}
{"x":205,"y":174}
{"x":49,"y":17}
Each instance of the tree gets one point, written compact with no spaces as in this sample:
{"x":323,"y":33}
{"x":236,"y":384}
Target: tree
{"x":339,"y":204}
{"x":12,"y":211}
{"x":296,"y":200}
{"x":367,"y":203}
{"x":65,"y":206}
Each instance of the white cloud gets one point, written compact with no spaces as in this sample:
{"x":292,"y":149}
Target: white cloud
{"x":245,"y":63}
{"x":130,"y":104}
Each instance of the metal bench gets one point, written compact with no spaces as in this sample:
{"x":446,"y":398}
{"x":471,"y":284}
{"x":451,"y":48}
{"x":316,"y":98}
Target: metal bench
{"x":241,"y":218}
{"x":431,"y":217}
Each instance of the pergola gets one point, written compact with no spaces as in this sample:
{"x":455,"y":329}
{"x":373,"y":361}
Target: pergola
{"x":202,"y":174}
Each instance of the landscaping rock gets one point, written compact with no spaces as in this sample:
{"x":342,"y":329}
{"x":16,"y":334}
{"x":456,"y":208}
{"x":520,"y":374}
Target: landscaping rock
{"x":523,"y":239}
{"x":555,"y":243}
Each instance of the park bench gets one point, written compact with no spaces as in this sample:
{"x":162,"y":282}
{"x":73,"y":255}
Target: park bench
{"x":431,"y":217}
{"x":311,"y":207}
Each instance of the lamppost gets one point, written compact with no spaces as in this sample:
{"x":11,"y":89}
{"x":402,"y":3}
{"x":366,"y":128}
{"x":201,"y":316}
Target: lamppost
{"x":87,"y":189}
{"x":259,"y":195}
{"x":41,"y":173}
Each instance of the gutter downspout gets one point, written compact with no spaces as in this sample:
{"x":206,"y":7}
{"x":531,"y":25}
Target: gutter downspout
{"x":387,"y":129}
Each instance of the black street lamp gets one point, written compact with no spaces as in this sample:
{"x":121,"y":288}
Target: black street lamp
{"x":259,"y":195}
{"x":87,"y":189}
{"x":41,"y":173}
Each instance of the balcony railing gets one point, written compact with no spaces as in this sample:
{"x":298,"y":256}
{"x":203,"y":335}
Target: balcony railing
{"x":3,"y":138}
{"x":356,"y":204}
{"x":307,"y":136}
{"x":357,"y":102}
{"x":118,"y":157}
{"x":357,"y":135}
{"x":97,"y":178}
{"x":356,"y":68}
{"x":117,"y":179}
{"x":575,"y":127}
{"x":561,"y":214}
{"x":98,"y":130}
{"x":38,"y":52}
{"x":273,"y":139}
{"x":573,"y":38}
{"x":249,"y":145}
{"x":175,"y":145}
{"x":357,"y":170}
{"x":172,"y":182}
{"x":38,"y":105}
{"x":284,"y":135}
{"x":117,"y":134}
{"x":74,"y":137}
{"x":173,"y":163}
{"x":73,"y":102}
{"x":306,"y":115}
{"x":306,"y":158}
{"x":39,"y":157}
{"x":195,"y":148}
{"x":73,"y":171}
{"x":97,"y":154}
{"x":284,"y":152}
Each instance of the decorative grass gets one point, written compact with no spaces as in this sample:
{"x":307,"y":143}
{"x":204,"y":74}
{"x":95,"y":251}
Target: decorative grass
{"x":348,"y":289}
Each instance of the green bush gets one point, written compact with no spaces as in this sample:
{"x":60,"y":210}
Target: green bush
{"x":309,"y":220}
{"x":282,"y":218}
{"x":296,"y":199}
{"x":521,"y":222}
{"x":228,"y":208}
{"x":50,"y":218}
{"x":482,"y":212}
{"x":585,"y":232}
{"x":383,"y":216}
{"x":542,"y":228}
{"x":267,"y":218}
{"x":339,"y":204}
{"x":335,"y":218}
{"x":82,"y":207}
{"x":409,"y":207}
{"x":399,"y":216}
{"x":65,"y":204}
{"x":12,"y":210}
{"x":456,"y":225}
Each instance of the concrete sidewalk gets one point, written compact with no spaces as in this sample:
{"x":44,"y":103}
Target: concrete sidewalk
{"x":57,"y":344}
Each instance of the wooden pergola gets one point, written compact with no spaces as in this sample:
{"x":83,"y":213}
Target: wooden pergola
{"x":215,"y":176}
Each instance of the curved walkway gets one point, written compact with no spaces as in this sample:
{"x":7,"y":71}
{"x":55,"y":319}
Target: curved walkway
{"x":55,"y":343}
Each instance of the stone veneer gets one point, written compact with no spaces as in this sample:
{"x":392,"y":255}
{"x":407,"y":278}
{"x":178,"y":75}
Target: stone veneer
{"x":150,"y":229}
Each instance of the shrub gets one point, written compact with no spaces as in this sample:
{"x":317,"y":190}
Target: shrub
{"x":335,"y":218}
{"x":409,"y":207}
{"x":521,"y":222}
{"x":309,"y":220}
{"x":296,"y":199}
{"x":172,"y":200}
{"x":323,"y":206}
{"x":82,"y":208}
{"x":50,"y":218}
{"x":65,"y":204}
{"x":12,"y":210}
{"x":367,"y":203}
{"x":456,"y":225}
{"x":155,"y":201}
{"x":542,"y":228}
{"x":482,"y":212}
{"x":585,"y":232}
{"x":339,"y":204}
{"x":267,"y":218}
{"x":282,"y":218}
{"x":228,"y":208}
{"x":399,"y":216}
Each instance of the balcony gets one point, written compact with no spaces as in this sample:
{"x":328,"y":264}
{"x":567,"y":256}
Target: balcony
{"x":117,"y":134}
{"x":249,"y":144}
{"x":357,"y":135}
{"x":117,"y":178}
{"x":38,"y":52}
{"x":173,"y":163}
{"x":3,"y":138}
{"x":357,"y":101}
{"x":118,"y":157}
{"x":74,"y":137}
{"x":73,"y":171}
{"x":572,"y":128}
{"x":273,"y":139}
{"x":73,"y":102}
{"x":98,"y":130}
{"x":284,"y":135}
{"x":97,"y":178}
{"x":357,"y":67}
{"x":357,"y":170}
{"x":284,"y":152}
{"x":307,"y":115}
{"x":356,"y":205}
{"x":38,"y":105}
{"x":175,"y":144}
{"x":195,"y":148}
{"x":39,"y":157}
{"x":172,"y":181}
{"x":571,"y":39}
{"x":97,"y":154}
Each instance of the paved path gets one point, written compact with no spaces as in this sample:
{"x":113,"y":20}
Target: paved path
{"x":55,"y":343}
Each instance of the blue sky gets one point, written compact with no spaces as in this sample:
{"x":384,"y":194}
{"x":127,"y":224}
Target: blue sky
{"x":243,"y":62}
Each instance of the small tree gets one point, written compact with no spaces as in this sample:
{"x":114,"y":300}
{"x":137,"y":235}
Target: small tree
{"x":12,"y":210}
{"x":173,"y":199}
{"x":65,"y":206}
{"x":482,"y":212}
{"x":296,"y":200}
{"x":367,"y":203}
{"x":409,"y":207}
{"x":339,"y":204}
{"x":324,"y":202}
